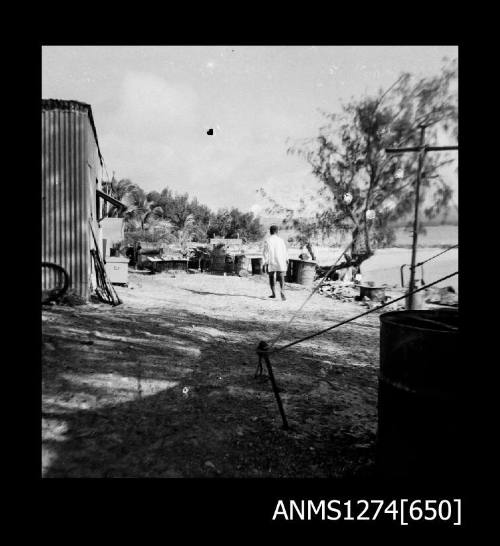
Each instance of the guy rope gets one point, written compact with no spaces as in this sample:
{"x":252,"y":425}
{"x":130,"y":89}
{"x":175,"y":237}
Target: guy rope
{"x":420,"y":264}
{"x":264,"y":350}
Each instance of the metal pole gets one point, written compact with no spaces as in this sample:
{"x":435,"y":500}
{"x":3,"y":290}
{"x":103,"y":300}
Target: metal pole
{"x":421,"y":156}
{"x":275,"y":390}
{"x":262,"y":351}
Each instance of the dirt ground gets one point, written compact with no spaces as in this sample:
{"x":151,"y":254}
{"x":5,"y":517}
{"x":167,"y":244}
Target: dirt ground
{"x":163,"y":385}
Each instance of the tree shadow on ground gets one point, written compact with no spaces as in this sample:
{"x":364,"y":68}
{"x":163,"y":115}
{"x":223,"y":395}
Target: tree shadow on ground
{"x":157,"y":394}
{"x":222,"y":294}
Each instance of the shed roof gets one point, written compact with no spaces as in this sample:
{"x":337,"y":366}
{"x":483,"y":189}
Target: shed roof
{"x":60,"y":104}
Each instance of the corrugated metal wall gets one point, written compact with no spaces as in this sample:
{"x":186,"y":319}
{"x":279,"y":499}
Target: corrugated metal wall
{"x":69,"y":169}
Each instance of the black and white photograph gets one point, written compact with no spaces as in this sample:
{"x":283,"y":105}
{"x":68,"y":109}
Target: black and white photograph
{"x":250,"y":264}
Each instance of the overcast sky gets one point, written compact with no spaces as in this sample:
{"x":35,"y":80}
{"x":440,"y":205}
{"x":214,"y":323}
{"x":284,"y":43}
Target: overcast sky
{"x":153,"y":105}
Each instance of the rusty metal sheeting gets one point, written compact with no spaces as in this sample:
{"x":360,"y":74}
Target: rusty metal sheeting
{"x":70,"y":166}
{"x":73,"y":105}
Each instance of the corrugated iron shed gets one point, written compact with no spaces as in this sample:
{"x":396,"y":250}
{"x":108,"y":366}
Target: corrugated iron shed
{"x":71,"y":174}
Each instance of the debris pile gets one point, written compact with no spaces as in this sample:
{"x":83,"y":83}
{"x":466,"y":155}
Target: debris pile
{"x":443,"y":296}
{"x":343,"y":291}
{"x":350,"y":291}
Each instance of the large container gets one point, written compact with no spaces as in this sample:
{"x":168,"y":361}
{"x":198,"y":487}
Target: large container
{"x":257,"y":266}
{"x":306,"y":272}
{"x":420,"y":421}
{"x":418,"y":300}
{"x":117,"y":269}
{"x":292,"y":270}
{"x":218,"y":261}
{"x":71,"y":174}
{"x":240,"y":264}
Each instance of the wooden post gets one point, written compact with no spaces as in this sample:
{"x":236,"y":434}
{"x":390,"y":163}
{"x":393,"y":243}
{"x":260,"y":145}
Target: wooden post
{"x":421,"y":156}
{"x":422,"y":149}
{"x":262,"y":349}
{"x":276,"y":391}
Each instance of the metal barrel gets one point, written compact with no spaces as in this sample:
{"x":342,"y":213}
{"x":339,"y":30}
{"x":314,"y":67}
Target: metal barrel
{"x":218,"y":261}
{"x":240,"y":263}
{"x":292,"y":271}
{"x":306,"y":272}
{"x":419,"y":395}
{"x":257,"y":266}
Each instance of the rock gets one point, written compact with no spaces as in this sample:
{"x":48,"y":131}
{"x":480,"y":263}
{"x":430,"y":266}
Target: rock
{"x":449,"y":298}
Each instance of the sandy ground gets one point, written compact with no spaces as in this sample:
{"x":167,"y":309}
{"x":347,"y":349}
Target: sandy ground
{"x":163,"y":385}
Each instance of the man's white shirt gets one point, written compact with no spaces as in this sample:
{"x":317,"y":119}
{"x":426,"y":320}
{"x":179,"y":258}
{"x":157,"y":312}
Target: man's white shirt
{"x":275,"y":254}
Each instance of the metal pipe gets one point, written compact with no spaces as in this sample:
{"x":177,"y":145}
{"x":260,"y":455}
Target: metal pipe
{"x":402,"y":277}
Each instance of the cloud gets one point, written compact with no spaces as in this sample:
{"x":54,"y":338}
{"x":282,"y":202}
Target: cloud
{"x":140,"y":161}
{"x":151,"y":127}
{"x":150,"y":107}
{"x":157,"y":137}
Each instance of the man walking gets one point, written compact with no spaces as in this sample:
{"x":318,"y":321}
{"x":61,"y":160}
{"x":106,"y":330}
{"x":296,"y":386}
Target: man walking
{"x":275,"y":260}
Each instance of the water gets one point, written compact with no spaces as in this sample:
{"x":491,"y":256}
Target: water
{"x":384,"y":266}
{"x":446,"y":235}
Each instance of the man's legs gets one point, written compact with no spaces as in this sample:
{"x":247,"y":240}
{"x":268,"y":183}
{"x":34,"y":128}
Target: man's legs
{"x":272,"y":283}
{"x":280,"y":276}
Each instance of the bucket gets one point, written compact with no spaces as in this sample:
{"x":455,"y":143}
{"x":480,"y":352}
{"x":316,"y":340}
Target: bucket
{"x":419,"y":400}
{"x":418,"y":298}
{"x":257,"y":266}
{"x":374,"y":293}
{"x":306,"y":273}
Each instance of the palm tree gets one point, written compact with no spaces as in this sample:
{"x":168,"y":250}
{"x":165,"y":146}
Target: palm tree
{"x":119,"y":188}
{"x":140,"y":212}
{"x":185,"y":231}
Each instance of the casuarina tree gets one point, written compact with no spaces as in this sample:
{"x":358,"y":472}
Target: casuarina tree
{"x":363,"y":189}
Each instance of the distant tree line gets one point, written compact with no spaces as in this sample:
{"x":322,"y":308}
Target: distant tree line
{"x":177,"y":218}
